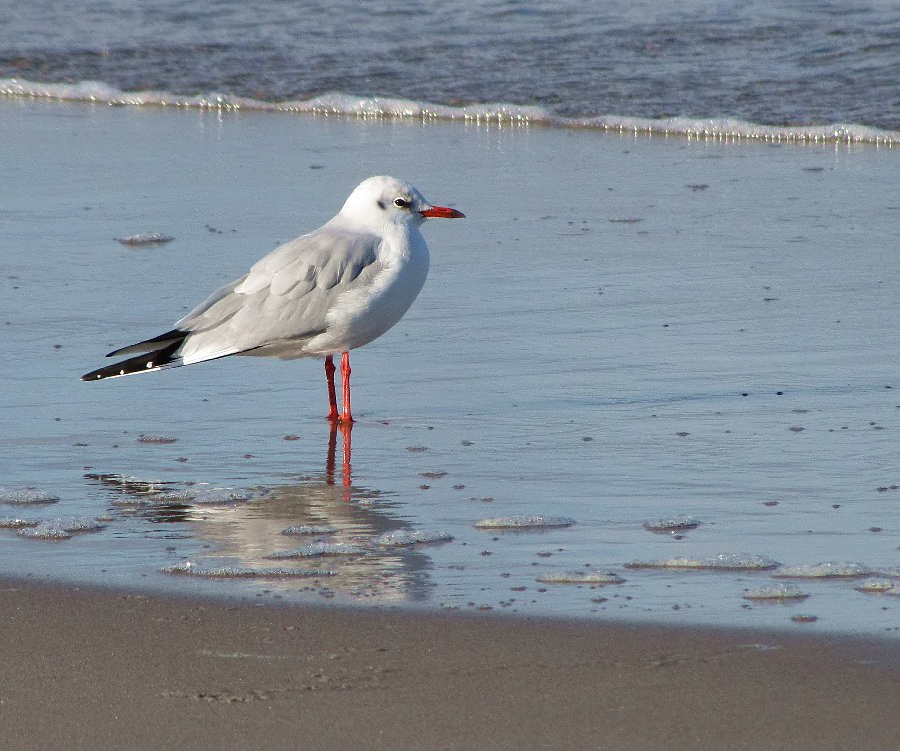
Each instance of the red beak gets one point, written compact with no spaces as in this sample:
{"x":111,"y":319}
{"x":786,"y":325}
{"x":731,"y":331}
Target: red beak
{"x":442,"y":212}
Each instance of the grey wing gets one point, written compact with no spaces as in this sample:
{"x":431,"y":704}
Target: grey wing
{"x":181,"y":329}
{"x":286,"y":296}
{"x":223,"y":292}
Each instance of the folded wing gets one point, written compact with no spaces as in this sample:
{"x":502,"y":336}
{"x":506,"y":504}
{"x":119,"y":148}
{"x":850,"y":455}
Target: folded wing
{"x":278,"y":306}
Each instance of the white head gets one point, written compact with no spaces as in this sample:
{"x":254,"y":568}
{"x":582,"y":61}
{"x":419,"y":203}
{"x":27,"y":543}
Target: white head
{"x":382,"y":199}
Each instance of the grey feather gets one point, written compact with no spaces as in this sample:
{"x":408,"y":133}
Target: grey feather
{"x":335,"y":289}
{"x":285,"y":298}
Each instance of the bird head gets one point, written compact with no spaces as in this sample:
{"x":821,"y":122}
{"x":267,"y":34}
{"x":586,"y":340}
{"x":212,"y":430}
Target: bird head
{"x":386,"y":199}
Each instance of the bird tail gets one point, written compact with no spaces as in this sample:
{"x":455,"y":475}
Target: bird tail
{"x":157,"y":359}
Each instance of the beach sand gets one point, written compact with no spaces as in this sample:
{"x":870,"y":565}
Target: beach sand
{"x":105,"y":670}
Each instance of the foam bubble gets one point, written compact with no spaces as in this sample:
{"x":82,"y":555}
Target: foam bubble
{"x":15,"y":522}
{"x":399,"y":538}
{"x":61,"y":528}
{"x":309,"y":529}
{"x":316,"y":549}
{"x":827,"y":570}
{"x":208,"y":496}
{"x":723,"y":561}
{"x":672,"y":524}
{"x":137,"y":241}
{"x":191,"y":568}
{"x":775,"y":593}
{"x":876,"y":587}
{"x":732,"y":129}
{"x":525,"y":521}
{"x":158,"y":440}
{"x":26,"y":496}
{"x":581,"y":577}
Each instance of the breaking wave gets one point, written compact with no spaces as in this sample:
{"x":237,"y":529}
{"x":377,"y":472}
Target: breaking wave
{"x":489,"y":114}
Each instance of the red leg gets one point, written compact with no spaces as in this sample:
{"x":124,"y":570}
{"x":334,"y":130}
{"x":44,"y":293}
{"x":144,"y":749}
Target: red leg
{"x":332,"y":396}
{"x":347,"y":416}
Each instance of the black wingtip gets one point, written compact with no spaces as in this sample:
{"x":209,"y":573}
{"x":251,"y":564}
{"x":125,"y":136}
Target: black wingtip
{"x":155,"y":344}
{"x":149,"y":361}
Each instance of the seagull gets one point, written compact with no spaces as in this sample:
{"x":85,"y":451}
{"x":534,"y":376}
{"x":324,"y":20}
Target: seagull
{"x":319,"y":295}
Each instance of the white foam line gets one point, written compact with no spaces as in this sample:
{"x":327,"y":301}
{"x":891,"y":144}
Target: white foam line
{"x":494,"y":114}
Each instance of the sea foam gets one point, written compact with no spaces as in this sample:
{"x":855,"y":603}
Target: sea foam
{"x":26,"y":496}
{"x":722,"y":562}
{"x":826,"y":570}
{"x":593,"y":578}
{"x":492,"y":113}
{"x":400,"y":538}
{"x":525,"y":521}
{"x":319,"y":549}
{"x":191,"y":568}
{"x":61,"y":528}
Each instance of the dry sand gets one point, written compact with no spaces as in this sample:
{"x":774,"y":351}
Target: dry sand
{"x":104,"y":670}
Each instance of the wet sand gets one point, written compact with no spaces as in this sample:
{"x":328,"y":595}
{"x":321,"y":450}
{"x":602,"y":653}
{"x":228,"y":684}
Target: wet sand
{"x":92,"y":669}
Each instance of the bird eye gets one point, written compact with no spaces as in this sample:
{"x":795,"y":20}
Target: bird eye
{"x":402,"y":203}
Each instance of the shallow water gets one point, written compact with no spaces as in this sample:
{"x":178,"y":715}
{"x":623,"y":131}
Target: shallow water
{"x":623,"y":331}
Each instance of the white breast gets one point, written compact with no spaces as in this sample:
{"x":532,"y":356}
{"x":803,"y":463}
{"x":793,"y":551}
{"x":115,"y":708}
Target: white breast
{"x":361,"y":315}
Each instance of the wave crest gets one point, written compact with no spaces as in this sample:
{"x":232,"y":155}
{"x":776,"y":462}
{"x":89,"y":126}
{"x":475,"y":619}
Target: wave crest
{"x":497,"y":114}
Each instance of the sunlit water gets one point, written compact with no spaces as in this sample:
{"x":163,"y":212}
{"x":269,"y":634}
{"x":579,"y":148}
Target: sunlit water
{"x":667,"y":368}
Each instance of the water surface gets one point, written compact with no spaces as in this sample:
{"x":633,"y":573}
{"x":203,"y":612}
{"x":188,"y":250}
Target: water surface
{"x":787,"y":64}
{"x":623,"y":331}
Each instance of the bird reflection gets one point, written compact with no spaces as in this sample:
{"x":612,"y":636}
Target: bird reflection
{"x":345,"y":428}
{"x":317,"y":533}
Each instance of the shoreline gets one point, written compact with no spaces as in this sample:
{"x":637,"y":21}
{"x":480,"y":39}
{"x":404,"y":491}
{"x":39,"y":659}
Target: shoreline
{"x":87,"y":668}
{"x":710,"y":129}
